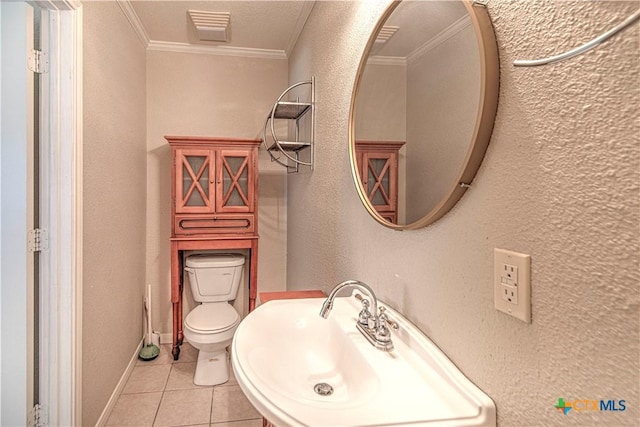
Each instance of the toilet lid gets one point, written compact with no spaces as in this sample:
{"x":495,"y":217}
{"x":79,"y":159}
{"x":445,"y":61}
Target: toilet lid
{"x":212,"y":318}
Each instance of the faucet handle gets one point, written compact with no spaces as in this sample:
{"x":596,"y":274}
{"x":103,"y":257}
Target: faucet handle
{"x":382,"y":332}
{"x":365,"y":317}
{"x":384,"y":319}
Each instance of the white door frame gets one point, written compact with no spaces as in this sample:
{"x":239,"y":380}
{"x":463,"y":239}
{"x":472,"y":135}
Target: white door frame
{"x":61,"y":215}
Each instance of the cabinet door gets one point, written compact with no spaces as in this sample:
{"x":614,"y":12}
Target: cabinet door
{"x":235,"y":181}
{"x":379,"y":177}
{"x":195,"y":181}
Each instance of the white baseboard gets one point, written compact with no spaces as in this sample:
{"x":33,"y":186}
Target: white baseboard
{"x":119,"y":387}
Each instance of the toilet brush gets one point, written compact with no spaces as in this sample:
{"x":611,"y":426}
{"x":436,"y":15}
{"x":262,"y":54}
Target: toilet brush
{"x":149,"y":351}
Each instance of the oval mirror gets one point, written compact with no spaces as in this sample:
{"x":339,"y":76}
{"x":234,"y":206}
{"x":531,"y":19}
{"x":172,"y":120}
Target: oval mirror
{"x":422,"y":109}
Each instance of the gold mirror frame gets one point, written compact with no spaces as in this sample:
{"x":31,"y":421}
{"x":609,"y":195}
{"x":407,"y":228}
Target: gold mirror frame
{"x":489,"y":87}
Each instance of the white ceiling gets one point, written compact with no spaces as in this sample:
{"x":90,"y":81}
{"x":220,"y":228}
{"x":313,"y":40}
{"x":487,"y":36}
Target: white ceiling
{"x":262,"y":26}
{"x":271,"y":27}
{"x":419,"y":22}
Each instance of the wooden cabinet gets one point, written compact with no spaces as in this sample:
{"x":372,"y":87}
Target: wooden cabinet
{"x":214,"y":202}
{"x":216,"y":180}
{"x":378,"y":167}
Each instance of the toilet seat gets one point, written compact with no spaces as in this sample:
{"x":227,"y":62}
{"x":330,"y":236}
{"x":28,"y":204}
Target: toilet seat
{"x":212,"y":318}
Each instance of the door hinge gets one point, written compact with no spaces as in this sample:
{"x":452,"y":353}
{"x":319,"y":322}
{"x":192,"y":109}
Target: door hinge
{"x":38,"y":61}
{"x":38,"y":416}
{"x":482,"y":3}
{"x":38,"y":240}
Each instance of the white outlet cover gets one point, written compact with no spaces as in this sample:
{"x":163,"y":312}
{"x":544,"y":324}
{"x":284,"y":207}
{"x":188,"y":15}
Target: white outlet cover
{"x":503,"y":261}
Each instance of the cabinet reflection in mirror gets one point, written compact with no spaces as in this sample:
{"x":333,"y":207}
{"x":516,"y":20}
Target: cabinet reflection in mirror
{"x":428,"y":77}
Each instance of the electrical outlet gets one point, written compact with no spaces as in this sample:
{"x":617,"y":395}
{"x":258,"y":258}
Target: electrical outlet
{"x":509,"y":283}
{"x":510,"y":294}
{"x":512,"y":283}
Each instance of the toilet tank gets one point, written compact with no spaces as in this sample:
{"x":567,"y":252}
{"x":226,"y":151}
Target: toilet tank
{"x":214,"y":277}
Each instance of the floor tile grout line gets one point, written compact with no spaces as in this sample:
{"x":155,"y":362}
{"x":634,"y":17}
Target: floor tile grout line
{"x":155,"y":416}
{"x":234,"y":421}
{"x":213,"y":391}
{"x":140,"y":392}
{"x":164,"y":389}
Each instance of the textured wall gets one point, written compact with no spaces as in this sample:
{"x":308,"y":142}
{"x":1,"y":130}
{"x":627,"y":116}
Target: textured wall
{"x":208,"y":95}
{"x":559,"y":182}
{"x":114,"y":175}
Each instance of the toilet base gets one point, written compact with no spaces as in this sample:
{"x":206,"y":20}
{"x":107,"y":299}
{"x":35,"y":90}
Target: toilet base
{"x":212,"y":368}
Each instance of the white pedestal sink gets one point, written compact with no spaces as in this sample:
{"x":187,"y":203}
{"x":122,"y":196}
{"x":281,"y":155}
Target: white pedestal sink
{"x":284,"y":349}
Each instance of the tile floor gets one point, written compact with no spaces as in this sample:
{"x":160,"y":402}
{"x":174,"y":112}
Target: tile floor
{"x":161,"y":392}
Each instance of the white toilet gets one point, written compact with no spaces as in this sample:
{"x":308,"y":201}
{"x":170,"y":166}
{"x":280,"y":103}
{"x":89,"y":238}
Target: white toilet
{"x":210,"y":326}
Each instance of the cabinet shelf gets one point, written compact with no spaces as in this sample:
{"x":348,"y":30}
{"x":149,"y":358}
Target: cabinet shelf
{"x":287,"y":152}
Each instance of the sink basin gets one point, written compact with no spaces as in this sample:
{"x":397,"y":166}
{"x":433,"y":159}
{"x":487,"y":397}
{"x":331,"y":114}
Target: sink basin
{"x":282,"y":350}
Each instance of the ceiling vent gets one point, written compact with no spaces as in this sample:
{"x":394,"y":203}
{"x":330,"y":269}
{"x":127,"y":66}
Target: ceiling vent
{"x":211,"y":26}
{"x":385,"y":33}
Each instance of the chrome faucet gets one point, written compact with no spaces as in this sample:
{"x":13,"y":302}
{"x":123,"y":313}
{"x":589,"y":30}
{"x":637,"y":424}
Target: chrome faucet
{"x":374,"y":326}
{"x":328,"y":303}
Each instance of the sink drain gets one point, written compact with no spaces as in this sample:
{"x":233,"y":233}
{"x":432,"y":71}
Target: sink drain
{"x":323,"y":389}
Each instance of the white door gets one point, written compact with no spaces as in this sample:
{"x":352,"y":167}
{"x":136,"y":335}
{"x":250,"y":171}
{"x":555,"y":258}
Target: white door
{"x":16,"y":208}
{"x":40,"y":166}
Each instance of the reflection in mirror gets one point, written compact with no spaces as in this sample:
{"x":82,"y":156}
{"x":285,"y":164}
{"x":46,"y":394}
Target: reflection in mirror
{"x":418,"y":109}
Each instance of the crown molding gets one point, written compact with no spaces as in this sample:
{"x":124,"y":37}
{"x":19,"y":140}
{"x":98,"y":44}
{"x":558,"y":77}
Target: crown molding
{"x":134,"y":20}
{"x":430,"y":44}
{"x":440,"y":38}
{"x":216,"y":50}
{"x":300,"y":23}
{"x":387,"y":60}
{"x":156,"y":45}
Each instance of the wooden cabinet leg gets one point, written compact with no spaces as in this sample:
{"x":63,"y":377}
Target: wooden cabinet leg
{"x":176,"y":299}
{"x":253,"y":275}
{"x":178,"y":335}
{"x":180,"y":332}
{"x":175,"y":351}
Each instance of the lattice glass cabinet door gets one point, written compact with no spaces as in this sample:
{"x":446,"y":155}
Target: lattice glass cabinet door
{"x":195,"y":190}
{"x":236,"y":178}
{"x":379,"y":179}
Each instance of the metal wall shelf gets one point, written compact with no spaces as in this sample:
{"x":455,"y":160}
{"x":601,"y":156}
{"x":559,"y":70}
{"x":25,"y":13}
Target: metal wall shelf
{"x":290,"y":110}
{"x":285,"y":152}
{"x":289,"y":145}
